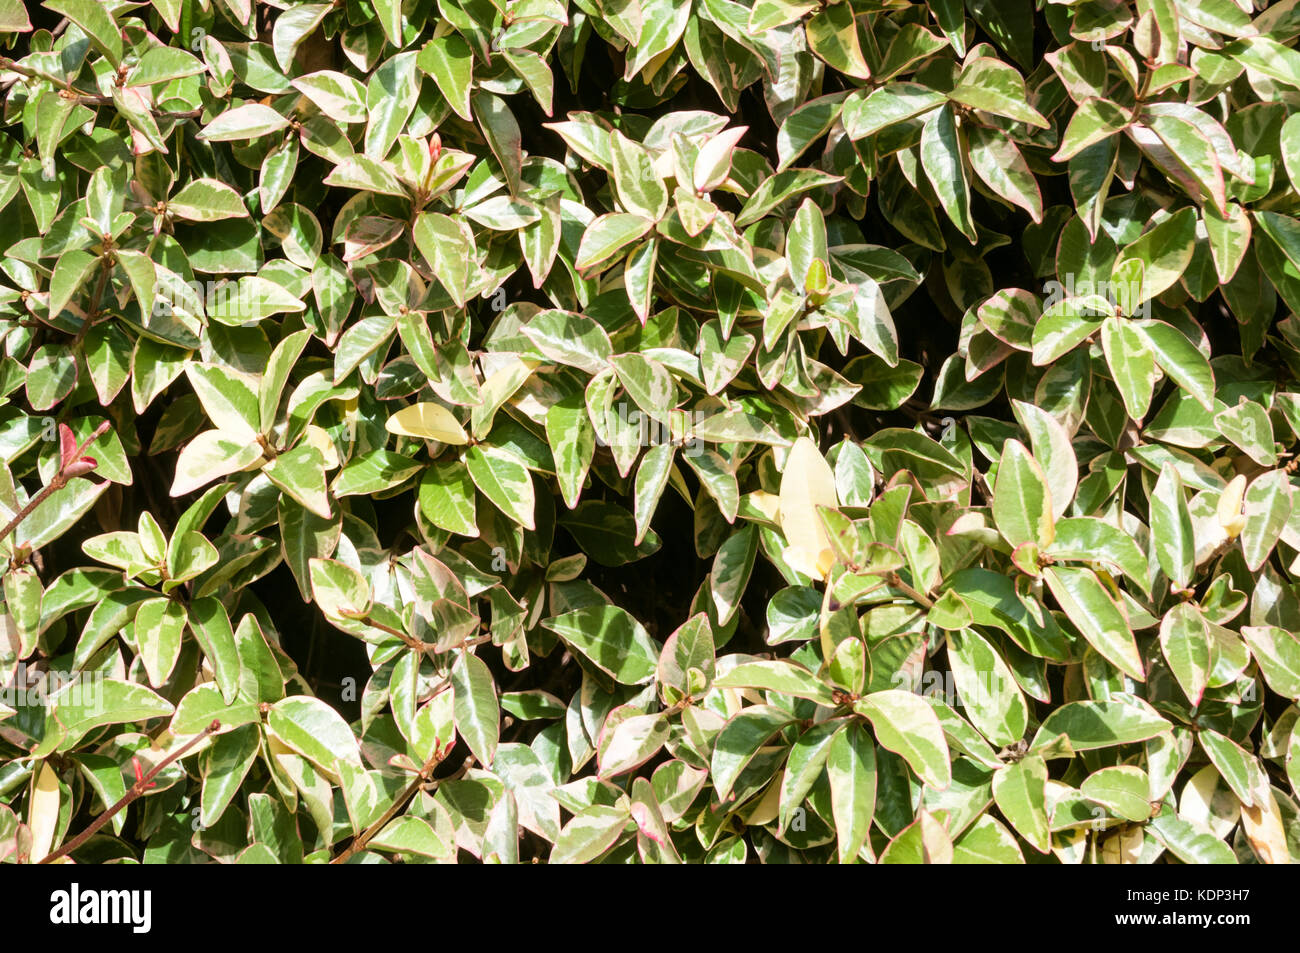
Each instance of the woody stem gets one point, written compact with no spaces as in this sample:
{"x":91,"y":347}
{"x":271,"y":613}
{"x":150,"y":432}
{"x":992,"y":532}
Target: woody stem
{"x":137,"y":789}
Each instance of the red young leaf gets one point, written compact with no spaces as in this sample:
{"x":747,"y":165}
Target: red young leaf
{"x":67,"y":445}
{"x":84,"y":465}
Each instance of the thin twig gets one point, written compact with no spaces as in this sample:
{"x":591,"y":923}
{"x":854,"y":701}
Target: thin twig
{"x":361,"y":840}
{"x":101,"y":283}
{"x":137,"y":789}
{"x":419,"y":645}
{"x":58,"y":482}
{"x":84,"y":98}
{"x":919,"y":598}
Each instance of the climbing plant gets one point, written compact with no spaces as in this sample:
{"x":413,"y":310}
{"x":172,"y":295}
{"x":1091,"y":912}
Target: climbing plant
{"x":650,"y":431}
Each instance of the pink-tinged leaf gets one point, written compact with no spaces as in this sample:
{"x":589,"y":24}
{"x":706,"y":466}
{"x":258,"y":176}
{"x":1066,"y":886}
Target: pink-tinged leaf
{"x":645,"y":823}
{"x":80,"y":467}
{"x":67,"y":446}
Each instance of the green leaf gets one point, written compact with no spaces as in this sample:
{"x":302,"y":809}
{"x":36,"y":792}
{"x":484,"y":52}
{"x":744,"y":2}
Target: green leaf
{"x":1010,"y":23}
{"x":502,"y":134}
{"x":391,"y":95}
{"x":662,"y":25}
{"x":1122,"y":790}
{"x":1247,"y":426}
{"x":1022,"y":500}
{"x":999,"y":163}
{"x":447,"y":499}
{"x":1020,"y":791}
{"x":1164,"y":251}
{"x":338,"y":590}
{"x":987,"y":841}
{"x":833,"y":36}
{"x":1269,"y":504}
{"x":478,"y":717}
{"x":782,"y":677}
{"x":301,"y":474}
{"x":611,"y":639}
{"x":111,"y":702}
{"x":411,"y":835}
{"x":739,"y":741}
{"x":1188,"y":842}
{"x":315,"y":731}
{"x":373,"y":473}
{"x":906,"y":725}
{"x":228,"y":398}
{"x":628,"y":743}
{"x":207,"y":200}
{"x":1180,"y":359}
{"x":1096,"y":614}
{"x":804,"y":126}
{"x":994,"y":87}
{"x":651,"y":478}
{"x":607,"y":235}
{"x":1277,"y":652}
{"x":804,"y":766}
{"x":1238,"y":767}
{"x":589,"y":834}
{"x":210,"y":625}
{"x":449,"y":60}
{"x":731,"y":571}
{"x":640,"y":190}
{"x":503,"y":479}
{"x":304,"y":536}
{"x":96,"y":21}
{"x":851,"y":767}
{"x":448,"y":245}
{"x":244,"y":122}
{"x":1132,"y":364}
{"x":203,"y":705}
{"x":988,"y":689}
{"x":1229,"y":237}
{"x":941,"y":156}
{"x":1190,"y":157}
{"x":1100,"y":724}
{"x":573,"y":444}
{"x":158,"y":626}
{"x":1171,"y":527}
{"x":607,"y":533}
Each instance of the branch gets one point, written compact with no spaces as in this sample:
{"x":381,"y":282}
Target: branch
{"x":410,"y":641}
{"x":101,"y":283}
{"x":137,"y":789}
{"x":419,"y":645}
{"x":87,"y":99}
{"x":920,"y":598}
{"x":67,"y":470}
{"x":361,"y":840}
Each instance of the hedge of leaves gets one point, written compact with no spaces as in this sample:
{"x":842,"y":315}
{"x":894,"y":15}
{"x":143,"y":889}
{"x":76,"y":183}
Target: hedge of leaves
{"x":650,"y":430}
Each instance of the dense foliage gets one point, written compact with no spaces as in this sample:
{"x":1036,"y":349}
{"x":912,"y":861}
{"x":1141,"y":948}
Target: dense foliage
{"x":659,"y":430}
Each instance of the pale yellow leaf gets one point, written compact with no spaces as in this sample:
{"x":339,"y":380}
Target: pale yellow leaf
{"x":318,"y":438}
{"x":430,"y":421}
{"x":767,"y":808}
{"x":1070,"y":846}
{"x":1206,"y":800}
{"x":769,"y":504}
{"x":43,"y":815}
{"x":1231,"y":518}
{"x":1265,"y":831}
{"x":714,"y":160}
{"x":807,"y":483}
{"x":1124,"y":847}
